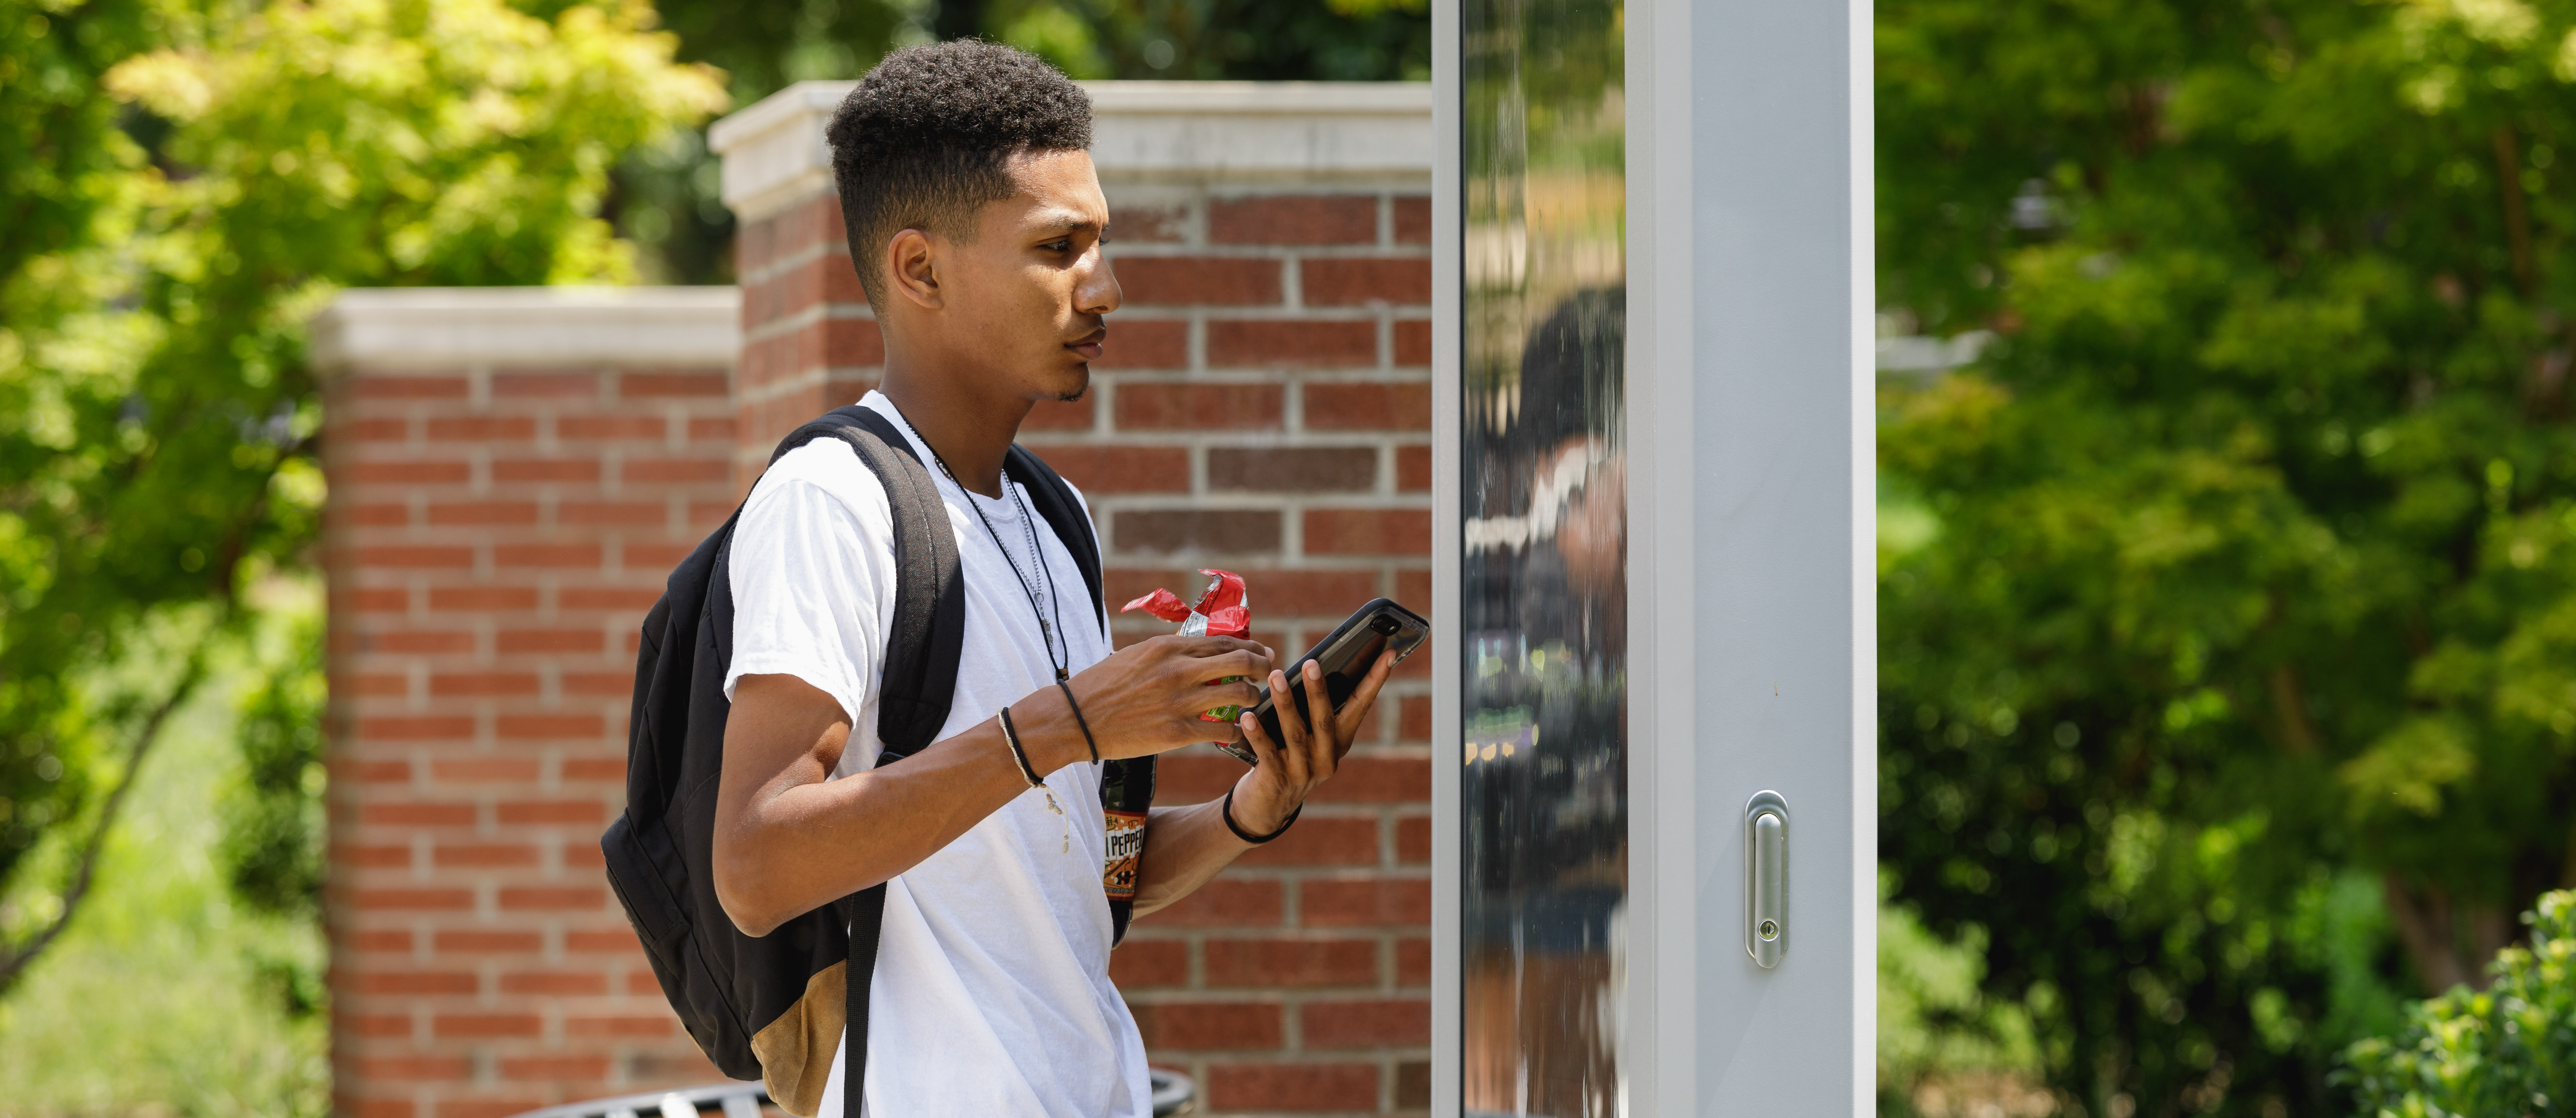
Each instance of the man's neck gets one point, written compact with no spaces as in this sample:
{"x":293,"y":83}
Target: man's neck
{"x":970,"y":431}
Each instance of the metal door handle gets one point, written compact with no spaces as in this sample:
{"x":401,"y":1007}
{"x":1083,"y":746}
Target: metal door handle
{"x":1766,"y":878}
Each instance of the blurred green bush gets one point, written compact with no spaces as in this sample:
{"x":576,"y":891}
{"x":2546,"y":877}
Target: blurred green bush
{"x":2503,"y":1052}
{"x":181,"y":185}
{"x":2228,"y":614}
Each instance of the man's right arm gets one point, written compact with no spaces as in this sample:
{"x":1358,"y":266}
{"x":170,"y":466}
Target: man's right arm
{"x":789,"y":839}
{"x":787,"y":834}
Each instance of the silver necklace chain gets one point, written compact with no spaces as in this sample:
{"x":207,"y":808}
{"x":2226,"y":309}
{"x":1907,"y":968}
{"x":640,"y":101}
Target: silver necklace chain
{"x":1046,"y":632}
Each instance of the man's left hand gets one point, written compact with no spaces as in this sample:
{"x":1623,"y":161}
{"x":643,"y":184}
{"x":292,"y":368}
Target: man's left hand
{"x":1317,"y":736}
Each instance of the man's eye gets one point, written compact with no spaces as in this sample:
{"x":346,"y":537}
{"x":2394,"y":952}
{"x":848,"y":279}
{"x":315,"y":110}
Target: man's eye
{"x":1058,"y":246}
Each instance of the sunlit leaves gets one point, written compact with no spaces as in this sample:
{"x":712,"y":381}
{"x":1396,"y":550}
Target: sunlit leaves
{"x":218,"y":174}
{"x":2507,"y":1050}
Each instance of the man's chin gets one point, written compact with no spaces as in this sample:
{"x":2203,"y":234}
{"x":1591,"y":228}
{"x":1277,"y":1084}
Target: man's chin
{"x":1081,"y":385}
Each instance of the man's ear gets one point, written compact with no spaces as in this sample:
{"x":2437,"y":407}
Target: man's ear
{"x":912,"y":269}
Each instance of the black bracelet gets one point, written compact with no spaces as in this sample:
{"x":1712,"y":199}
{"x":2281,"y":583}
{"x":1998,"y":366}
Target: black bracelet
{"x":1078,"y":720}
{"x":1011,"y":734}
{"x":1256,"y":840}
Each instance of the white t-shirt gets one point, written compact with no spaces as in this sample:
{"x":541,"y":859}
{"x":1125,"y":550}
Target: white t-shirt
{"x":992,"y":992}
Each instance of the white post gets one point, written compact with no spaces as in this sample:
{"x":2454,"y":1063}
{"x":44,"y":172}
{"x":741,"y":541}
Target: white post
{"x":1751,"y":550}
{"x":1446,"y":406}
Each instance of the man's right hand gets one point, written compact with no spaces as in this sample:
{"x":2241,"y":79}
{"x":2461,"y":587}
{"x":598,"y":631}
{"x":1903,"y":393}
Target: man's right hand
{"x":1144,"y":699}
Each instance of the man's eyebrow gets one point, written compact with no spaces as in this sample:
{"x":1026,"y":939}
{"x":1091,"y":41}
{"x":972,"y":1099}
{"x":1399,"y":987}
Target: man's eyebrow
{"x":1066,"y":221}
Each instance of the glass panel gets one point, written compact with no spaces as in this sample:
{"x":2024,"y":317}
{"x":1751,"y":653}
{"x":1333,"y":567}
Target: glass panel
{"x":1544,"y":558}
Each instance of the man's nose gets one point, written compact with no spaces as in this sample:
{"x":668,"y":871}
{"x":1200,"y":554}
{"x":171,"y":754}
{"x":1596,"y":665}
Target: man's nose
{"x":1097,"y":291}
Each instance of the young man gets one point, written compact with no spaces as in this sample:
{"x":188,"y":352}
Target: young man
{"x":977,"y":227}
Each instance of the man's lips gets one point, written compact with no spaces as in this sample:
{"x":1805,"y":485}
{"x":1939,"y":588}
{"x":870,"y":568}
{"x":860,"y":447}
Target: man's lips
{"x":1089,"y":344}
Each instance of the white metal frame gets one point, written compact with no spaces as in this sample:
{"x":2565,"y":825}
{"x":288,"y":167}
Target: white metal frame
{"x":1447,"y":261}
{"x":1752,"y":620}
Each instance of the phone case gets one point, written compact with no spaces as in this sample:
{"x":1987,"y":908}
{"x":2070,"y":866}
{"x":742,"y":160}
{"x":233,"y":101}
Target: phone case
{"x":1351,"y":645}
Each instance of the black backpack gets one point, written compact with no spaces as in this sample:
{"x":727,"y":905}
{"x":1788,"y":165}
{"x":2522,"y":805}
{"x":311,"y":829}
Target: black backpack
{"x":772,"y":1008}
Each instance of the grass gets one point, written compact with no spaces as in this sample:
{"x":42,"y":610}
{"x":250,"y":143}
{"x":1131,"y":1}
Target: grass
{"x":163,"y":997}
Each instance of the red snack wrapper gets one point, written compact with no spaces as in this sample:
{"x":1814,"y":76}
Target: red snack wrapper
{"x":1224,"y":610}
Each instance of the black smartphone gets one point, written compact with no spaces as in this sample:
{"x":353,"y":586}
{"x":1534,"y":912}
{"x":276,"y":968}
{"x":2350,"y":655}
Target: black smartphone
{"x":1346,"y":655}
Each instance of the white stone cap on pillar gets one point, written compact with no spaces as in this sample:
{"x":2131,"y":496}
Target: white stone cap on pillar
{"x":774,"y":154}
{"x":449,"y":326}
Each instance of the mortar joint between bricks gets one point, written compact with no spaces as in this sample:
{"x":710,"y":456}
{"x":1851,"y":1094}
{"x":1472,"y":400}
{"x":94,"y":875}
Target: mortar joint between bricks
{"x":786,"y":262}
{"x":1363,"y":374}
{"x":1366,"y":252}
{"x":785,"y":324}
{"x":1283,"y":312}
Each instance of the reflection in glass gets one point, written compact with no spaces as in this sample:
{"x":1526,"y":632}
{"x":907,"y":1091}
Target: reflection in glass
{"x":1544,"y":548}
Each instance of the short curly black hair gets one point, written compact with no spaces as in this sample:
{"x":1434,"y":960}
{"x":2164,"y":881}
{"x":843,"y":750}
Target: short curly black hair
{"x":927,"y":136}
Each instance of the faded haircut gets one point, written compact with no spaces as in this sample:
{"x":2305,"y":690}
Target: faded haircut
{"x":926,"y":139}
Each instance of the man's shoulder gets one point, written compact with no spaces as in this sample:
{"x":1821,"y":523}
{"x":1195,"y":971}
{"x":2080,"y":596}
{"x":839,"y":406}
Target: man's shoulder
{"x":817,"y":513}
{"x":825,"y":467}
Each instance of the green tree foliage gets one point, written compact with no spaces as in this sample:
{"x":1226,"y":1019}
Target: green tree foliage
{"x":2244,"y":562}
{"x":157,"y":416}
{"x":275,"y":839}
{"x":1330,"y":40}
{"x":2504,"y":1052}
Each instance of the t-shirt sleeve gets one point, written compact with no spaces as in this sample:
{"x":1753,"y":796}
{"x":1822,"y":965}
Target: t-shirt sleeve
{"x":812,"y":573}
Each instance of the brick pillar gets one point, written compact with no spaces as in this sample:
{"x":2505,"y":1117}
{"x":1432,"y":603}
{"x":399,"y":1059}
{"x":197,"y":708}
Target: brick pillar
{"x":1264,"y":405}
{"x":513,"y":473}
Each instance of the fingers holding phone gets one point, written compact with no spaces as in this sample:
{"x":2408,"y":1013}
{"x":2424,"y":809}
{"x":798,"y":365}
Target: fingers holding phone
{"x":1313,"y":737}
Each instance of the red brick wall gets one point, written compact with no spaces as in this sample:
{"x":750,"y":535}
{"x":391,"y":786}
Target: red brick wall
{"x":1263,"y":405}
{"x":496,"y":534}
{"x":494,"y":537}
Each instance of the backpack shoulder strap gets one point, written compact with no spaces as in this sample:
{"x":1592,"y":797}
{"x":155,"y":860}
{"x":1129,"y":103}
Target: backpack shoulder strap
{"x":1063,"y":512}
{"x":928,"y":634}
{"x":920,"y":678}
